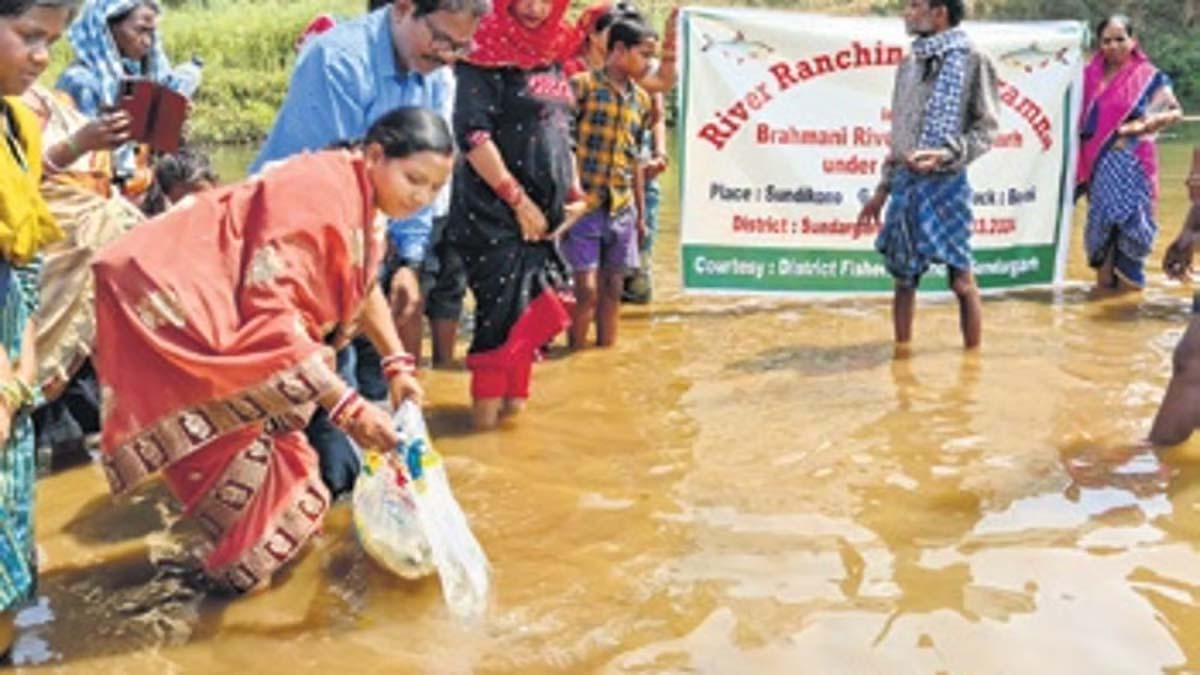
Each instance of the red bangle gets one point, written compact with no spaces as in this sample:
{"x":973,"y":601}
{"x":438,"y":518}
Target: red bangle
{"x":575,"y":194}
{"x":404,"y":358}
{"x":346,"y":409}
{"x":510,"y":191}
{"x":392,"y":371}
{"x":478,"y":138}
{"x":398,"y":364}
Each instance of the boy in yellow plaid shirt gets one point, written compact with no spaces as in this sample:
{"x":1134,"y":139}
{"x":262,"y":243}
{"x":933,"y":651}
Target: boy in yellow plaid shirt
{"x":613,"y":115}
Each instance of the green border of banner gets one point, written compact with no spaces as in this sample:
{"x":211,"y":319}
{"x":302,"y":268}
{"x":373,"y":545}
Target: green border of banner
{"x":823,"y":271}
{"x":1047,"y":257}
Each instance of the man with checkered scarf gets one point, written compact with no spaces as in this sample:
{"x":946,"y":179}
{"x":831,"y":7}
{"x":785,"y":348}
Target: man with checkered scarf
{"x":944,"y":110}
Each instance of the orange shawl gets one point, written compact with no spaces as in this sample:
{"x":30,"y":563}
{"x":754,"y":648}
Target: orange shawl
{"x":211,"y":317}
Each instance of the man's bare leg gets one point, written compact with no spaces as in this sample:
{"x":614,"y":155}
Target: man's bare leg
{"x":445,"y":334}
{"x":1179,"y":413}
{"x":970,"y":307}
{"x":904,"y":302}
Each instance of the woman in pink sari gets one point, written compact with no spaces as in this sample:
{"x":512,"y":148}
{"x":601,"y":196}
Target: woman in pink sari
{"x":1126,"y":100}
{"x":213,"y":329}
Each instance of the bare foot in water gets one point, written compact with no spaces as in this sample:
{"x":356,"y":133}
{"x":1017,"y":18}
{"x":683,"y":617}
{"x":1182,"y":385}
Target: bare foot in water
{"x":512,"y":406}
{"x":485,"y":413}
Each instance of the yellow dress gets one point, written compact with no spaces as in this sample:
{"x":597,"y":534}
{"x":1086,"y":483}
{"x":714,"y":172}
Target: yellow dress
{"x":26,"y":225}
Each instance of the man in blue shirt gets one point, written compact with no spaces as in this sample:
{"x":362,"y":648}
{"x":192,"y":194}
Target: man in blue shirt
{"x":352,"y":75}
{"x":344,"y":80}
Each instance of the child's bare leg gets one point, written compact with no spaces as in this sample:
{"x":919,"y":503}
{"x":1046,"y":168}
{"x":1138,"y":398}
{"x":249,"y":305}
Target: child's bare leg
{"x":485,"y":412}
{"x":609,"y":313}
{"x":586,"y":293}
{"x":904,"y":302}
{"x":512,"y":406}
{"x":970,"y":307}
{"x":445,"y":333}
{"x":1179,"y":413}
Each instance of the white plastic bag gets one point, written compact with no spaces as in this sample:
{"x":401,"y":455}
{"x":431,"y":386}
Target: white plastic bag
{"x":409,"y":522}
{"x":385,"y":519}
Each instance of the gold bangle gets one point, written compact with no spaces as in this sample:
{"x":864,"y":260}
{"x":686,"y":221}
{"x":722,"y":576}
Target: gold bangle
{"x":27,"y":394}
{"x":10,"y":392}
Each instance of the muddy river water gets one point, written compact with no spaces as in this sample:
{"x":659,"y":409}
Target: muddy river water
{"x":740,"y":486}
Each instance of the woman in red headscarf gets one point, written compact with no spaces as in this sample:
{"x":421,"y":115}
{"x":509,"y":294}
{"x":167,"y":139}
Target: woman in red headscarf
{"x":512,"y":118}
{"x":591,"y":32}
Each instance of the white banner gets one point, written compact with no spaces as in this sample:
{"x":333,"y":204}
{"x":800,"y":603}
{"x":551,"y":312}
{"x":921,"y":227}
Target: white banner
{"x":785,"y":121}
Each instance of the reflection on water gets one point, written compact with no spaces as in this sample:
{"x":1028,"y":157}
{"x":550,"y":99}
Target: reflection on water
{"x":742,"y":485}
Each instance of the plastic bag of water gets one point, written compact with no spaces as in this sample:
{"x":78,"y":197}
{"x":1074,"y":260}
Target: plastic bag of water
{"x":408,"y":521}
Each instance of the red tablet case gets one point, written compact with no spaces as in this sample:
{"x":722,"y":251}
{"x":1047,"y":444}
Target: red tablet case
{"x":157,"y":113}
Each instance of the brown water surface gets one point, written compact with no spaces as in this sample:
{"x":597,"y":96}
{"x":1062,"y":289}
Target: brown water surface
{"x":741,"y":486}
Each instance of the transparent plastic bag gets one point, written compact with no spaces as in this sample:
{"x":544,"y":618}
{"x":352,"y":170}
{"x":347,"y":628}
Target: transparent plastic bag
{"x":409,"y":522}
{"x":385,"y":519}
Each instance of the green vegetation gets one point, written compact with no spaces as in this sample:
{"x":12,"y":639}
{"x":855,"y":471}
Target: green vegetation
{"x":248,"y":51}
{"x":247,"y":45}
{"x":1169,"y":30}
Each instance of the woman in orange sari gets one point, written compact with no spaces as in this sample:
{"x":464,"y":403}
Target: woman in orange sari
{"x":213,"y":323}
